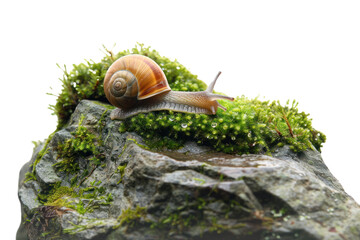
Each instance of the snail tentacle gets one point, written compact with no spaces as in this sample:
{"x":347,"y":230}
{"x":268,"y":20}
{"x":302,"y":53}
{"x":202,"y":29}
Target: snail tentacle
{"x":211,"y":86}
{"x":214,"y":96}
{"x":222,"y":107}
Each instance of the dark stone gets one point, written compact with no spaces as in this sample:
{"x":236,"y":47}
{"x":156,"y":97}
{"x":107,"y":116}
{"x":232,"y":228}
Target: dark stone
{"x":192,"y":193}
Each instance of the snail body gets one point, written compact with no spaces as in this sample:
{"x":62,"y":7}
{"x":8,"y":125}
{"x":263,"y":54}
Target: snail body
{"x":136,"y":84}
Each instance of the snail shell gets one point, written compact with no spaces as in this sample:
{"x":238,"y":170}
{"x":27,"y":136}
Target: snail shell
{"x":135,"y":84}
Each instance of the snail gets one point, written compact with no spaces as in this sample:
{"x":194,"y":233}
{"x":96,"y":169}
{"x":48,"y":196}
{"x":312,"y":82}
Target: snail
{"x":136,"y":84}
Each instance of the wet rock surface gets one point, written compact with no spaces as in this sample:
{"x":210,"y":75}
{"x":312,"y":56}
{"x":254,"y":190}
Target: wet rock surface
{"x":191,"y":193}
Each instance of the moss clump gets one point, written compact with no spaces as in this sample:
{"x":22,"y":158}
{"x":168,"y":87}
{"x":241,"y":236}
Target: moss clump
{"x":73,"y":198}
{"x":249,"y":125}
{"x":130,"y":217}
{"x":29,"y":176}
{"x":85,"y":80}
{"x":57,"y":195}
{"x":83,"y":144}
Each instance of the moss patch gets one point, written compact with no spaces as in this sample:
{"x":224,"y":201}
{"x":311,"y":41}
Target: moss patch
{"x":59,"y":197}
{"x":121,"y":170}
{"x":85,"y":80}
{"x":200,"y":212}
{"x":249,"y":125}
{"x":83,"y":144}
{"x":79,"y":199}
{"x":42,"y":151}
{"x":130,"y":217}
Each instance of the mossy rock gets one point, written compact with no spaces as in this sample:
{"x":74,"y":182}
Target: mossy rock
{"x":123,"y":189}
{"x":248,"y":126}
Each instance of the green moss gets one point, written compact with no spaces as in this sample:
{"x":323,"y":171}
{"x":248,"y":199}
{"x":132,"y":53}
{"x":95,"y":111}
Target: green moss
{"x":92,"y":223}
{"x":101,"y":123}
{"x":200,"y":180}
{"x":130,"y":217}
{"x":92,"y":191}
{"x":121,"y":169}
{"x":85,"y":80}
{"x":196,"y":212}
{"x":58,"y":193}
{"x":219,"y":228}
{"x":248,"y":126}
{"x":29,"y":176}
{"x":137,"y":143}
{"x":42,"y":151}
{"x":82,"y":145}
{"x":73,"y":198}
{"x":57,"y":196}
{"x":36,"y":144}
{"x":85,"y":145}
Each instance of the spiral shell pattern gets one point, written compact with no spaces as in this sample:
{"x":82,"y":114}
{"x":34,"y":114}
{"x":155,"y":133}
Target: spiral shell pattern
{"x":132,"y":78}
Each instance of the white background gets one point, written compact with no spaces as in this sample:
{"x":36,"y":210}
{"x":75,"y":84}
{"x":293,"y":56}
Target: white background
{"x":303,"y":50}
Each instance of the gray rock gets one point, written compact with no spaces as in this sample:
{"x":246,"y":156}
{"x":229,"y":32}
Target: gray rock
{"x":28,"y":193}
{"x":45,"y":171}
{"x":192,"y":193}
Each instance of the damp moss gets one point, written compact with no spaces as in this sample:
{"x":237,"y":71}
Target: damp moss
{"x":248,"y":126}
{"x":85,"y":80}
{"x":83,"y":144}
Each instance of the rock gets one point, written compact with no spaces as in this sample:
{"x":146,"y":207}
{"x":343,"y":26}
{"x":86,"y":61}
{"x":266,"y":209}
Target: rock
{"x":28,"y":195}
{"x":45,"y":171}
{"x":191,"y":193}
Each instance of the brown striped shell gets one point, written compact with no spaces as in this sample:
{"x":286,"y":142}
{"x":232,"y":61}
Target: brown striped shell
{"x":132,"y":78}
